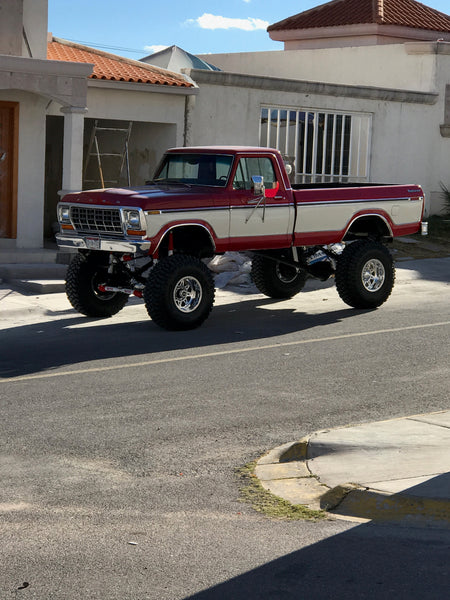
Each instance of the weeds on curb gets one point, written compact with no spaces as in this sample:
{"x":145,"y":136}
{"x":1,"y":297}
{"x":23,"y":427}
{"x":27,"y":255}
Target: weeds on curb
{"x":446,"y":196}
{"x":263,"y":501}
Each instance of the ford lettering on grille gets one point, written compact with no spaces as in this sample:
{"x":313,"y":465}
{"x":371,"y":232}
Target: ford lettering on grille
{"x":96,"y":220}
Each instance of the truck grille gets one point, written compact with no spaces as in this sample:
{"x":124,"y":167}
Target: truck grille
{"x":96,"y":220}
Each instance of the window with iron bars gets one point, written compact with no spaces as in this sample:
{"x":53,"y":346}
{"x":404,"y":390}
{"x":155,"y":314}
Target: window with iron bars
{"x":321,"y":146}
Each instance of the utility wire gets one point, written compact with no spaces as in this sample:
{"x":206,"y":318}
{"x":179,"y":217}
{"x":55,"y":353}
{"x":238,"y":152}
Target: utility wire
{"x":94,"y":45}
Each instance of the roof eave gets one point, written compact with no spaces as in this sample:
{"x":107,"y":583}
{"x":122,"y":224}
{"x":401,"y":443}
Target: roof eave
{"x":130,"y":86}
{"x":357,"y":30}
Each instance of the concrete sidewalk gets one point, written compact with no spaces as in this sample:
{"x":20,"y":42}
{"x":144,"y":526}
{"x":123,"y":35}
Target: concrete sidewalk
{"x":395,"y":470}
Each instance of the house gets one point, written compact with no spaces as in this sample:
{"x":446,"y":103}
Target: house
{"x":353,"y":109}
{"x":361,"y":92}
{"x":343,"y":23}
{"x":57,"y":100}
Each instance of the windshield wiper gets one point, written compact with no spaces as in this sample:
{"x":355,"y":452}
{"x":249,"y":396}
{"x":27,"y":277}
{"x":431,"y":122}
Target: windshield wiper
{"x":171,"y":182}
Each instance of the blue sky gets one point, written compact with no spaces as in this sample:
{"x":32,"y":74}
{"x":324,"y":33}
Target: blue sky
{"x":136,"y":28}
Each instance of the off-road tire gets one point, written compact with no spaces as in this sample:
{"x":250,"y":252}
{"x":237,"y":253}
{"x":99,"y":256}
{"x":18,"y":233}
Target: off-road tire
{"x":365,"y":274}
{"x":84,"y":274}
{"x":179,"y":293}
{"x":275,"y":279}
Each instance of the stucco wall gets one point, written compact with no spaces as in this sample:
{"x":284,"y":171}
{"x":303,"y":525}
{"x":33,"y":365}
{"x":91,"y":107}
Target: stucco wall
{"x":381,"y":66}
{"x":403,"y":137}
{"x":407,"y":145}
{"x":112,"y":102}
{"x":31,"y":168}
{"x":17,"y":17}
{"x":35,"y":23}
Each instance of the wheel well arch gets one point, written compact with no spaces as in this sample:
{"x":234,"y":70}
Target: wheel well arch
{"x":194,"y":239}
{"x":373,"y":226}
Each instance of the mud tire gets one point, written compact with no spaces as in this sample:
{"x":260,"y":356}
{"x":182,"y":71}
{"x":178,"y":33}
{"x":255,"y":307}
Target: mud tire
{"x":275,"y":279}
{"x":179,"y":293}
{"x":84,"y":274}
{"x":365,"y":274}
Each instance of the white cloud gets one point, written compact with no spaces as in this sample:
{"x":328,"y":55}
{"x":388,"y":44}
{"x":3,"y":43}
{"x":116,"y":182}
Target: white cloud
{"x":208,"y":21}
{"x":154,"y":48}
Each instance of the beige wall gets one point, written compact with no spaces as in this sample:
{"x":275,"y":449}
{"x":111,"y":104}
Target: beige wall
{"x":381,"y":66}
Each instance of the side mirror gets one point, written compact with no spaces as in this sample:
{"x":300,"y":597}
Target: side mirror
{"x":258,"y":185}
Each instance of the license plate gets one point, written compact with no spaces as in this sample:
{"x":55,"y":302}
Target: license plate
{"x":92,"y":243}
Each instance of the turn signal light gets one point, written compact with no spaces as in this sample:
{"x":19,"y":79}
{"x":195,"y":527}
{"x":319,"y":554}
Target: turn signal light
{"x":138,"y":232}
{"x":66,"y":226}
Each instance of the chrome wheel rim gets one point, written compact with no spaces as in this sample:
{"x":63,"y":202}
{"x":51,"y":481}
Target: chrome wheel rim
{"x":373,"y":275}
{"x":187,"y":294}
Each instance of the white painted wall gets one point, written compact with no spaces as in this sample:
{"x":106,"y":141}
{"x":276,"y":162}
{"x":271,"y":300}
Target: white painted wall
{"x":389,"y":66}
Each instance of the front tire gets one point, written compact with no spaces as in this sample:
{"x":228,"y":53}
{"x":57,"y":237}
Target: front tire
{"x":179,"y":293}
{"x":365,"y":274}
{"x":84,"y":274}
{"x":276,"y":279}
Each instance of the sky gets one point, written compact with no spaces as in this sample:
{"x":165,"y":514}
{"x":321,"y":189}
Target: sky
{"x":137,"y":28}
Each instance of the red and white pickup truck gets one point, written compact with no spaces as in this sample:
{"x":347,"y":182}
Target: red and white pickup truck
{"x":152,"y":241}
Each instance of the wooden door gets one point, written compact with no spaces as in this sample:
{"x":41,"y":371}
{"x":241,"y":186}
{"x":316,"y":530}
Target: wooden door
{"x":9,"y":127}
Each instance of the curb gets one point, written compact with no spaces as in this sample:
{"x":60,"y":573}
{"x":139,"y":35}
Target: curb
{"x":284,"y":472}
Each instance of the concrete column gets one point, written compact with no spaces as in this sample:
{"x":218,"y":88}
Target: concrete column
{"x":72,"y":179}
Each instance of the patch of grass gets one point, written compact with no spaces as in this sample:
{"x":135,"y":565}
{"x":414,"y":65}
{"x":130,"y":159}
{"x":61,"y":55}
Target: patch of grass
{"x":439,"y":227}
{"x":263,"y":501}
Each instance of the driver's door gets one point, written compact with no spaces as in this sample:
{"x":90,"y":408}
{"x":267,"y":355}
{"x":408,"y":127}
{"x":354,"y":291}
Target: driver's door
{"x":256,"y":221}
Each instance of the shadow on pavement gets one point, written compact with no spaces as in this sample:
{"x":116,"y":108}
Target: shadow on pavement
{"x":431,"y":269}
{"x":373,"y":561}
{"x":23,"y":350}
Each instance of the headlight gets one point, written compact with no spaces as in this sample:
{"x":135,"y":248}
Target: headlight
{"x":64,"y":214}
{"x":132,"y":219}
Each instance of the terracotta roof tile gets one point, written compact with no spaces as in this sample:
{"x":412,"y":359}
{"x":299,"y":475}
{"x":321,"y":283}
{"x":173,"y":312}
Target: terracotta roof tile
{"x":112,"y":67}
{"x":405,"y":13}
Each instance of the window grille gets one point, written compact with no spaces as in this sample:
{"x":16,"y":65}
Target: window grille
{"x":321,"y":146}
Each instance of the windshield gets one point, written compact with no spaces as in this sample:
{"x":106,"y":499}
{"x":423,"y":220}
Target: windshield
{"x":195,"y":169}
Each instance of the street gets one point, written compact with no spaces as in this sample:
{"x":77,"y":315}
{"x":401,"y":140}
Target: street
{"x":120,"y":443}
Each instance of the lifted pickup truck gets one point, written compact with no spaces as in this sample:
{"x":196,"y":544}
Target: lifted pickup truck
{"x":152,"y":241}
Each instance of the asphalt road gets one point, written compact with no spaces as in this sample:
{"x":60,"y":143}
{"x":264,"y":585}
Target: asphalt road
{"x":119,"y":441}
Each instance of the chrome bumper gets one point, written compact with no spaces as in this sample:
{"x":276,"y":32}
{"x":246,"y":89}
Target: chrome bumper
{"x":424,"y":228}
{"x":102,"y":244}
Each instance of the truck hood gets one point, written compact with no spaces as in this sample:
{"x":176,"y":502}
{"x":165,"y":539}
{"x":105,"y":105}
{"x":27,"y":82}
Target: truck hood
{"x":162,"y":196}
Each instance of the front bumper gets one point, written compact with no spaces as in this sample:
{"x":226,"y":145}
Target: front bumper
{"x":102,"y":244}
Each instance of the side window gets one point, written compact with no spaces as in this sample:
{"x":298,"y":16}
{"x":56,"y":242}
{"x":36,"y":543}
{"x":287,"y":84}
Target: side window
{"x":248,"y":167}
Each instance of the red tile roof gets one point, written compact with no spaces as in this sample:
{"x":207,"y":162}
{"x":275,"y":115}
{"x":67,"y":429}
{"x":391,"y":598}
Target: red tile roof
{"x":404,"y":13}
{"x":112,"y":67}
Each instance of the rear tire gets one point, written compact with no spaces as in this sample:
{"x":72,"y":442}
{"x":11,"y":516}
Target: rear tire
{"x":276,"y":279}
{"x":84,"y":274}
{"x":179,"y":293}
{"x":365,"y":274}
